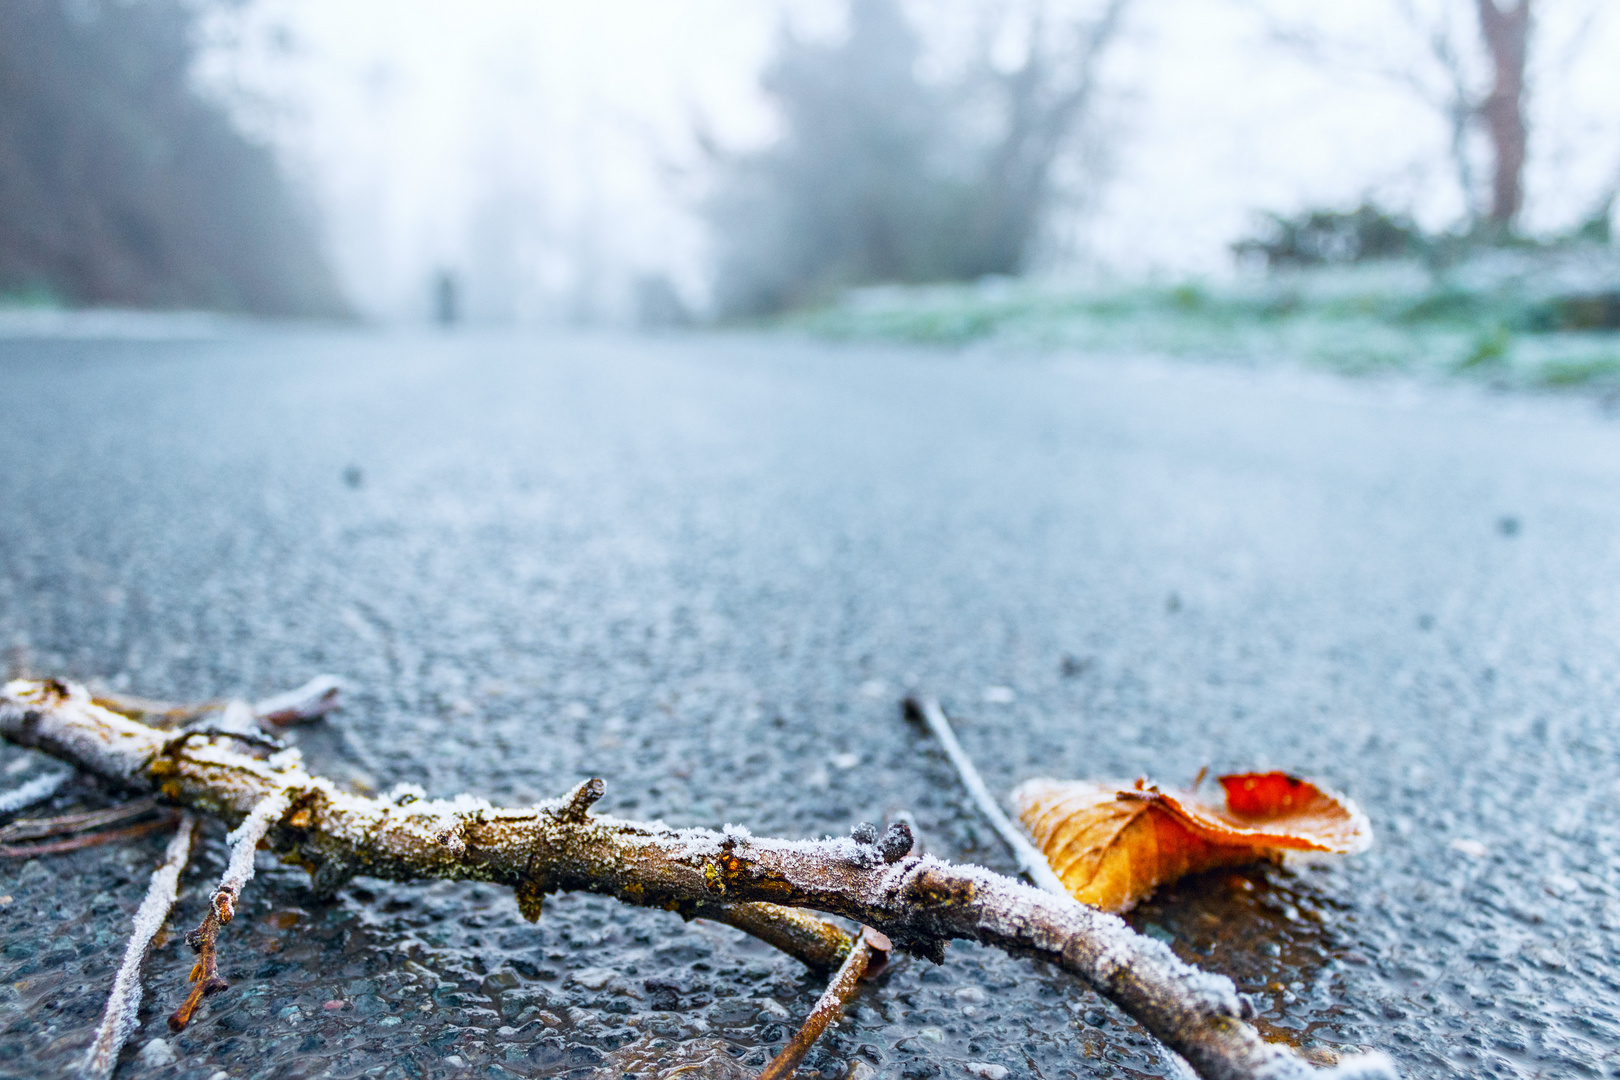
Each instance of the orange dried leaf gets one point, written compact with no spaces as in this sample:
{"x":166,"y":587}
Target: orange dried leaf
{"x":1112,"y":844}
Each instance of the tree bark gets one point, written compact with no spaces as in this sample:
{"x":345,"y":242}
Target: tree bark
{"x":1507,"y":37}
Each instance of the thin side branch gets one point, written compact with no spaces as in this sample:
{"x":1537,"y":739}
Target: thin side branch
{"x":813,"y":941}
{"x":67,"y":824}
{"x":870,"y":953}
{"x":85,"y":840}
{"x":919,"y":902}
{"x":120,"y":1019}
{"x":1031,"y":863}
{"x":205,"y":976}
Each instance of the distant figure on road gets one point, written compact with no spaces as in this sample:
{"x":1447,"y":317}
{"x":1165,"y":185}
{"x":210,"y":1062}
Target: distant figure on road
{"x":446,"y":298}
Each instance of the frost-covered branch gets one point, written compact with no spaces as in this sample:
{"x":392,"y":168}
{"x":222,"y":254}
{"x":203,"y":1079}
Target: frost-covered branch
{"x":920,"y":902}
{"x":120,"y":1019}
{"x":244,"y":841}
{"x":36,"y":790}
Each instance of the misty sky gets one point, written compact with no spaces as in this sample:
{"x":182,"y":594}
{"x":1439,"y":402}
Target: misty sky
{"x":543,"y":150}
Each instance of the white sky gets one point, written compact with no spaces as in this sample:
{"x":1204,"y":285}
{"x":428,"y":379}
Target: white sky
{"x":543,"y":149}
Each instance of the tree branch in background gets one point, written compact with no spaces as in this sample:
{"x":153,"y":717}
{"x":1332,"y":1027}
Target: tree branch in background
{"x":920,"y":903}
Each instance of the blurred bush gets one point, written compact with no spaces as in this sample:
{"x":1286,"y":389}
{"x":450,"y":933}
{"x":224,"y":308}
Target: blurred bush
{"x":1332,"y":238}
{"x":121,"y":185}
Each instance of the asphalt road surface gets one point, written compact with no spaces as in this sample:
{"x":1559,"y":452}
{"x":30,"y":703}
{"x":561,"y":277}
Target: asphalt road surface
{"x":707,"y":569}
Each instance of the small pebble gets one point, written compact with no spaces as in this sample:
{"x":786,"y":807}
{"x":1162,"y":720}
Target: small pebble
{"x":985,"y":1071}
{"x":593,"y":978}
{"x":332,"y":1005}
{"x":156,"y":1054}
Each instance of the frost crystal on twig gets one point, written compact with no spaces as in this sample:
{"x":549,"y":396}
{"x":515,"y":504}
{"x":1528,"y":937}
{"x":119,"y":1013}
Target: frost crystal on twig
{"x":119,"y":1020}
{"x":244,"y":842}
{"x":36,"y":790}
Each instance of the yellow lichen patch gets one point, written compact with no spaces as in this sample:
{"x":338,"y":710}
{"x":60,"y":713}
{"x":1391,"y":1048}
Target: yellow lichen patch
{"x":530,"y":898}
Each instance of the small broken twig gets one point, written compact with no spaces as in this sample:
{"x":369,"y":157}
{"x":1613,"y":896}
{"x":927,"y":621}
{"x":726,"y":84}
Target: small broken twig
{"x":870,"y":953}
{"x":85,"y":840}
{"x":244,"y":842}
{"x":119,"y":1020}
{"x":1031,"y":863}
{"x":67,"y":824}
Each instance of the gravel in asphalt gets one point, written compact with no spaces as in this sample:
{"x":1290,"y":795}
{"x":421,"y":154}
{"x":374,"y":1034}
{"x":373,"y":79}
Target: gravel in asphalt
{"x":707,"y":568}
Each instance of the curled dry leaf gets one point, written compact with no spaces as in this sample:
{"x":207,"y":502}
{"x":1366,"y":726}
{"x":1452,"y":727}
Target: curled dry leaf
{"x":1112,"y":844}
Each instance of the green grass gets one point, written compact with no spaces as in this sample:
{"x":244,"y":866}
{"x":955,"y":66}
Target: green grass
{"x":1392,"y":319}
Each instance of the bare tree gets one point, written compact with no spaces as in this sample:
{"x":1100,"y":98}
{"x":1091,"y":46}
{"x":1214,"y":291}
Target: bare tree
{"x":1475,"y":76}
{"x":122,"y":183}
{"x":1047,"y":96}
{"x":880,"y":176}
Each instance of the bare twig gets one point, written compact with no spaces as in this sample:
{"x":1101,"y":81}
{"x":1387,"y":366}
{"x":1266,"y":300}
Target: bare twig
{"x":120,"y":1018}
{"x":870,"y":953}
{"x":920,"y":902}
{"x":86,"y":840}
{"x":816,"y":942}
{"x":36,"y":790}
{"x":40,"y":828}
{"x":1031,"y":863}
{"x":244,"y":842}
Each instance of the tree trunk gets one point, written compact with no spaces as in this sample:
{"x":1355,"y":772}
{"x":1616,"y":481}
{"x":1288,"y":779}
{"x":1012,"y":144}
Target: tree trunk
{"x":1507,"y":34}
